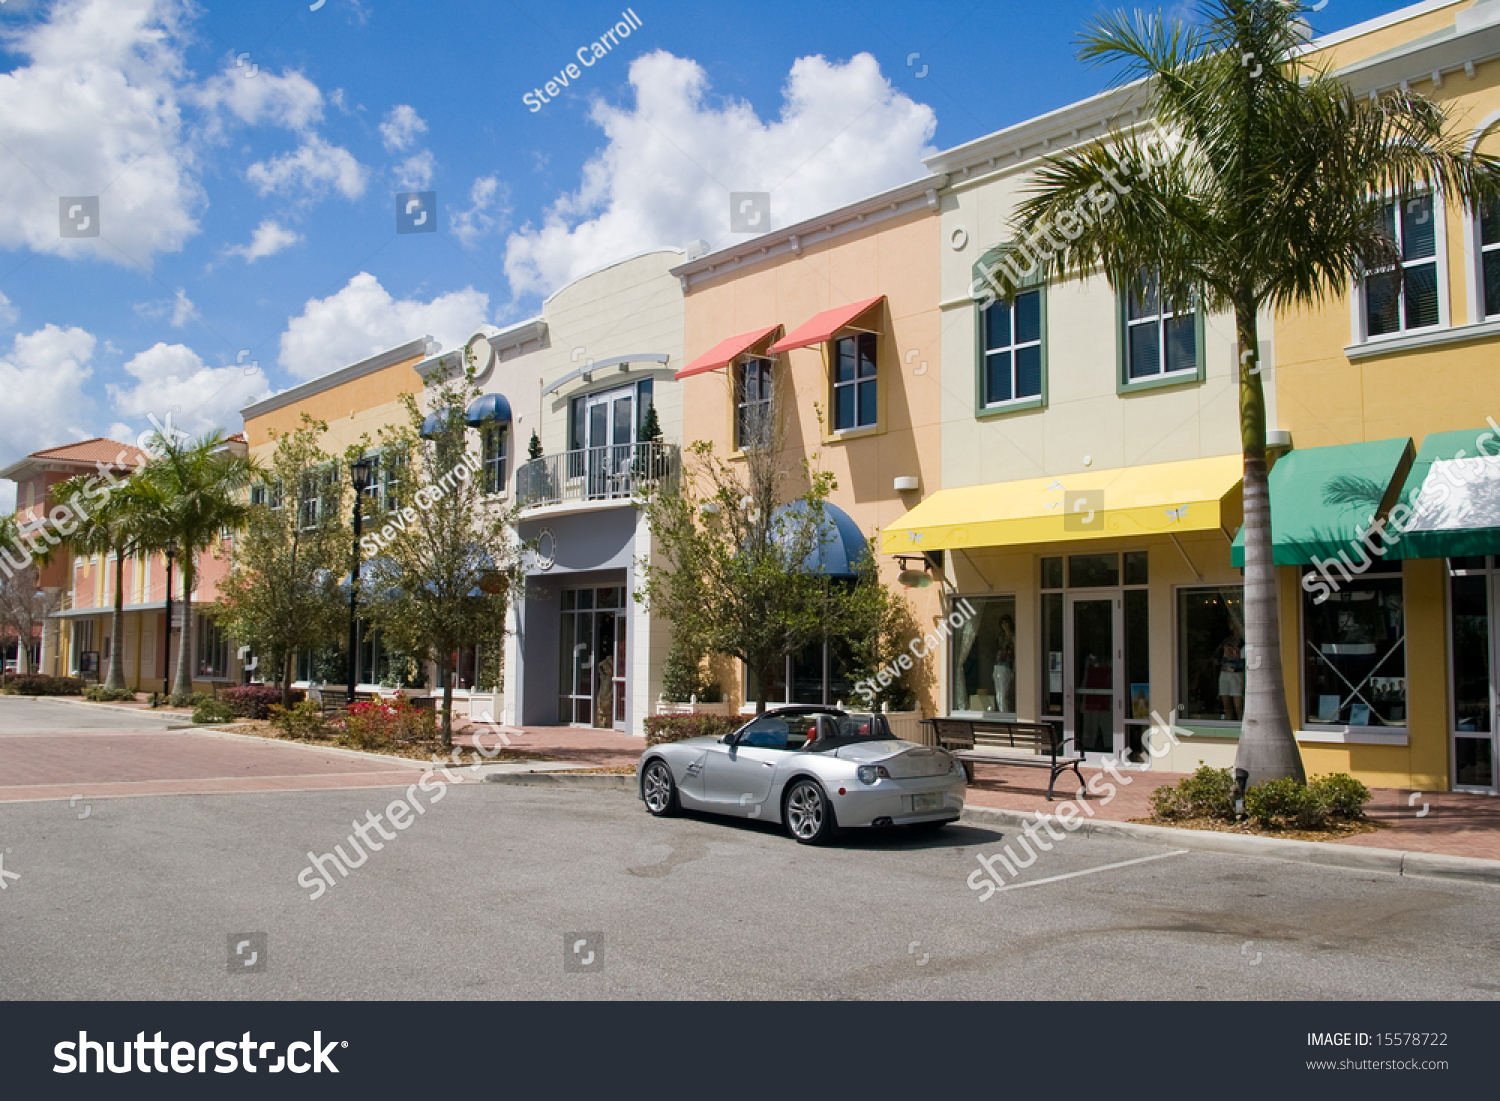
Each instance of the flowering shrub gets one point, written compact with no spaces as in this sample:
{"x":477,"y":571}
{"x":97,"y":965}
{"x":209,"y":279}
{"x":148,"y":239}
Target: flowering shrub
{"x":254,"y":701}
{"x":379,"y":723}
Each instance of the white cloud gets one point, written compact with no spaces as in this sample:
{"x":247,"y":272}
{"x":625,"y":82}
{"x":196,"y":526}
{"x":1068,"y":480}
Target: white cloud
{"x":289,"y":100}
{"x":363,"y":319}
{"x":489,"y":207}
{"x":415,"y":172}
{"x":8,"y":313}
{"x":172,"y":381}
{"x":49,"y":369}
{"x":671,"y":161}
{"x":177,"y":311}
{"x":401,"y":126}
{"x":269,"y":238}
{"x":315,"y":167}
{"x":94,"y":111}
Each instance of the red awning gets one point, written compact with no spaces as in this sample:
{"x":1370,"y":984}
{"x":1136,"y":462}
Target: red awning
{"x":725,"y":352}
{"x":826,"y":324}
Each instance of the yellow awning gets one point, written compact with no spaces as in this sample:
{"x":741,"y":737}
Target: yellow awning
{"x":1167,"y":498}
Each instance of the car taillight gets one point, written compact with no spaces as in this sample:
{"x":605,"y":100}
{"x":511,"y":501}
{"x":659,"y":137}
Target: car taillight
{"x":869,"y":774}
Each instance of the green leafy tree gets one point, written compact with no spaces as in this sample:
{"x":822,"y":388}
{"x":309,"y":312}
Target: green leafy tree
{"x":877,"y":625}
{"x":730,"y":568}
{"x":439,"y":577}
{"x":105,"y":520}
{"x":23,"y":604}
{"x":1260,"y":190}
{"x":190,"y":492}
{"x":282,"y":596}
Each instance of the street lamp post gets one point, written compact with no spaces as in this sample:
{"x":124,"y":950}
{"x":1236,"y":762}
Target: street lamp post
{"x":166,"y":661}
{"x":359,"y":474}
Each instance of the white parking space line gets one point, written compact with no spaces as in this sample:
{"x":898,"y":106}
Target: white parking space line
{"x":1091,"y":871}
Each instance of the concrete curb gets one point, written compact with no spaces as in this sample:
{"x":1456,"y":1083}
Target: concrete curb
{"x":1327,"y":854}
{"x":597,"y":781}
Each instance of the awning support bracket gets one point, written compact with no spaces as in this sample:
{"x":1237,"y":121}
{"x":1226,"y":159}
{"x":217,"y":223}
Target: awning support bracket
{"x":1183,"y":551}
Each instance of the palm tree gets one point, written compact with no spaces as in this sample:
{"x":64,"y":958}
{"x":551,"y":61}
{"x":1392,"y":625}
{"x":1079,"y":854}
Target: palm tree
{"x":1262,"y":190}
{"x":188,"y":494}
{"x":109,"y":521}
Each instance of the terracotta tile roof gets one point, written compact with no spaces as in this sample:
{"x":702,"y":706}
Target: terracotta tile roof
{"x":238,"y":437}
{"x":91,"y":451}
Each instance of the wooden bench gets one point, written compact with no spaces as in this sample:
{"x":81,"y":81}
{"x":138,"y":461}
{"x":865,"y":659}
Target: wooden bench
{"x":1029,"y":745}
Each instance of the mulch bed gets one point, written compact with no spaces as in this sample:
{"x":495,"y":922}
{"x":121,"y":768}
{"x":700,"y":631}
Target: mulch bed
{"x":1334,"y":832}
{"x":416,"y":751}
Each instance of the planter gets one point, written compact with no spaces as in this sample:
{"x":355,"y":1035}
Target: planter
{"x":665,"y":708}
{"x":907,"y":725}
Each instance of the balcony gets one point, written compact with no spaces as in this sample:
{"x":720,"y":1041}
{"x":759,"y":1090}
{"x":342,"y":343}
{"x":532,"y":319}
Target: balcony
{"x":597,"y":474}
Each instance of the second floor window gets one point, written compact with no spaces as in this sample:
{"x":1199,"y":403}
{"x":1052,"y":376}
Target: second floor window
{"x":1489,"y":249}
{"x":753,"y":401}
{"x":854,"y":397}
{"x":1405,"y":297}
{"x":1160,"y":340}
{"x":496,"y":438}
{"x":1013,"y":349}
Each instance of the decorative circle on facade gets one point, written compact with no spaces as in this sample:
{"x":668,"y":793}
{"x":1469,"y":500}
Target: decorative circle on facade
{"x":546,"y":549}
{"x":958,"y":239}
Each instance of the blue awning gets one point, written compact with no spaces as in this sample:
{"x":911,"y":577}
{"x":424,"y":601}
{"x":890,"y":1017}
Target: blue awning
{"x":489,"y":409}
{"x":843,"y":544}
{"x":432,"y":427}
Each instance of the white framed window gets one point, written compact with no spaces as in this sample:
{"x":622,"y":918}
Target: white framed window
{"x":1411,"y":295}
{"x":1013,"y":349}
{"x":855,"y":396}
{"x":1487,"y":244}
{"x":1161,"y":341}
{"x":495,"y":441}
{"x":753,"y":395}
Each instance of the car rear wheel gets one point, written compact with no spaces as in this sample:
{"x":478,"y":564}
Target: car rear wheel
{"x":808,"y":817}
{"x":660,"y":790}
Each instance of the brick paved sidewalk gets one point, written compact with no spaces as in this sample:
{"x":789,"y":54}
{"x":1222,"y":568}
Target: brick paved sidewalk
{"x":1457,"y":824}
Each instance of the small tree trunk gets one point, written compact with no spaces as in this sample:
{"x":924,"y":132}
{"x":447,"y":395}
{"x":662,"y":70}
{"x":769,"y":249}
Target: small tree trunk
{"x":1268,"y":748}
{"x":116,"y":678}
{"x":183,"y":685}
{"x":286,"y":680}
{"x":443,"y":672}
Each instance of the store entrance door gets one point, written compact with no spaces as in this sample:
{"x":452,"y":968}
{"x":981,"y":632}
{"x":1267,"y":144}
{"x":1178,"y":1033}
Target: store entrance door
{"x":1093,"y":675}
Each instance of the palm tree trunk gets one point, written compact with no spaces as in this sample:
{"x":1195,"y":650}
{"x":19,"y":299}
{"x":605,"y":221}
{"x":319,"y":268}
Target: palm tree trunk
{"x":183,"y":685}
{"x":1268,"y":748}
{"x":116,"y":678}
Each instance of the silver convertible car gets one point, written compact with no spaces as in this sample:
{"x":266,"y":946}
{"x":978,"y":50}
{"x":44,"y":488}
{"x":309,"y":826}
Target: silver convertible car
{"x":812,"y":769}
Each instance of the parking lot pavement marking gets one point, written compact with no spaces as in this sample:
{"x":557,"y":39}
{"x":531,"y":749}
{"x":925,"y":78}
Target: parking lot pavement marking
{"x":1091,"y":871}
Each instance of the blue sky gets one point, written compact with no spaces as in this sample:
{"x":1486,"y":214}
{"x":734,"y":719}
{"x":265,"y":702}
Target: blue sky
{"x":246,"y":158}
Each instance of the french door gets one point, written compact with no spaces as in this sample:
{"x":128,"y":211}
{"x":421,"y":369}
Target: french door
{"x":609,"y":437}
{"x":1093,"y":674}
{"x":592,"y":648}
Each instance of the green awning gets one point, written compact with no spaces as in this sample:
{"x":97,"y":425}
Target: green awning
{"x":1453,"y":491}
{"x":1322,"y":497}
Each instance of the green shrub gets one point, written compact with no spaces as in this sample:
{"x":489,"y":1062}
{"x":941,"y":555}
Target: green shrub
{"x":211,"y":710}
{"x":189,"y":699}
{"x":1285,"y":803}
{"x":254,"y":701}
{"x":302,"y":720}
{"x":39,"y":684}
{"x":1207,"y":793}
{"x":1342,"y":796}
{"x":99,"y":694}
{"x":679,"y":728}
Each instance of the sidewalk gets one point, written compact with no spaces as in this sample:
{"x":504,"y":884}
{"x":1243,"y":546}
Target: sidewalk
{"x":1455,"y":824}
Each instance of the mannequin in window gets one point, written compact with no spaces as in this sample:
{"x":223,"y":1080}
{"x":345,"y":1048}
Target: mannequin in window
{"x":1231,"y":678}
{"x":1005,"y":666}
{"x":604,"y":699}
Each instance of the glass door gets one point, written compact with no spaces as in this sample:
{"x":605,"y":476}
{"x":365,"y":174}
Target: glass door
{"x":609,"y":437}
{"x":1475,"y":613}
{"x":1093,"y":657}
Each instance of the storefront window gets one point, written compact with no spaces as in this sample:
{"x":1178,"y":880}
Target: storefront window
{"x":1354,"y":650}
{"x":1210,"y":653}
{"x":984,"y":657}
{"x":819,"y":674}
{"x":1093,"y":571}
{"x":1473,"y":660}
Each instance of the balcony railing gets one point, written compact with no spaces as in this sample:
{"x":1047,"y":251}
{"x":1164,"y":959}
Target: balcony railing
{"x":596,"y":474}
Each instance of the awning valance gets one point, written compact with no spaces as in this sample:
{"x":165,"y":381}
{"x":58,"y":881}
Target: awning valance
{"x":487,"y":409}
{"x":1322,"y":497}
{"x":1163,"y":499}
{"x":826,"y":324}
{"x":1453,"y":491}
{"x":726,"y":352}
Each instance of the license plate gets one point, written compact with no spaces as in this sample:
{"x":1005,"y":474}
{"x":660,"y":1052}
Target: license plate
{"x":920,"y":803}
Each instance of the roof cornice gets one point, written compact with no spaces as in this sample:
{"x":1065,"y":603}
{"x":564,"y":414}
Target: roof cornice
{"x":794,"y":239}
{"x":354,"y":371}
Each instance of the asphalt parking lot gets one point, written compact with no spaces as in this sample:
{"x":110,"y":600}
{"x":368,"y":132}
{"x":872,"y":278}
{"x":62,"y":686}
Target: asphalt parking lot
{"x":501,"y":892}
